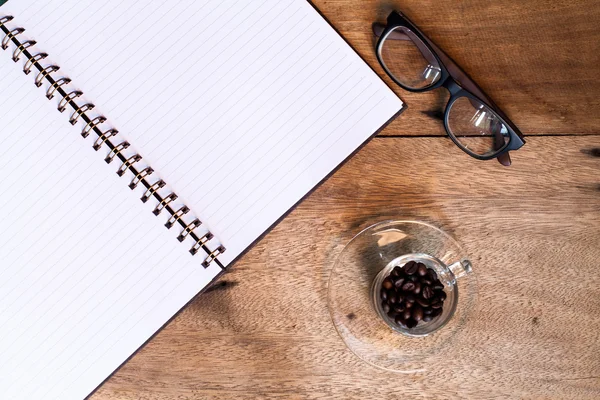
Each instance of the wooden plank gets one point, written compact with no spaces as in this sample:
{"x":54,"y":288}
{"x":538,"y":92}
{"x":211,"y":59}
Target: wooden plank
{"x":538,"y":60}
{"x":532,"y":231}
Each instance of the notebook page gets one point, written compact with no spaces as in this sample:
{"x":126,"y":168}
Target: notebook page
{"x":243,"y":106}
{"x":87,"y":272}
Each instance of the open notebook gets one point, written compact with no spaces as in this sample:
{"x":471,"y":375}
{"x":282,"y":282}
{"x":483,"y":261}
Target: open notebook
{"x":220,"y":114}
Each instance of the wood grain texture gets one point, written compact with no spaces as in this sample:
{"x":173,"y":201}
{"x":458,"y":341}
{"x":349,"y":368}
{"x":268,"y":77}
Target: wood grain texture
{"x":538,"y":59}
{"x":532,"y":231}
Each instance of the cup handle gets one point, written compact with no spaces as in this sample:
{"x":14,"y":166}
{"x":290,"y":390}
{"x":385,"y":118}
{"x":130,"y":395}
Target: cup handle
{"x":461,"y":268}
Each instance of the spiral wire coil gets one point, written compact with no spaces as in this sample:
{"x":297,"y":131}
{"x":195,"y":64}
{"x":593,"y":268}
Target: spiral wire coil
{"x":57,"y":87}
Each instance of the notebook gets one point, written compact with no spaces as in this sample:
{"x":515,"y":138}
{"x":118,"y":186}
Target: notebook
{"x":144,"y":147}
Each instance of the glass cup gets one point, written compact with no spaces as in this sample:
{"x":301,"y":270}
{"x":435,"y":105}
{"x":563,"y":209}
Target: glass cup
{"x":448,"y":275}
{"x":355,"y":306}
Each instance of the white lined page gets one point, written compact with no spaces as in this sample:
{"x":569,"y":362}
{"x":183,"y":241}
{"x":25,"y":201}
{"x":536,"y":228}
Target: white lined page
{"x":87,"y":272}
{"x":242,"y":106}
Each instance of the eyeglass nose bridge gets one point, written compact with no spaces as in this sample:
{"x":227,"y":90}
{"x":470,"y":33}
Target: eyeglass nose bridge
{"x":452,"y":86}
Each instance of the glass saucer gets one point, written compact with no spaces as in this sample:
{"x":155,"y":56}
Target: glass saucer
{"x":354,"y":285}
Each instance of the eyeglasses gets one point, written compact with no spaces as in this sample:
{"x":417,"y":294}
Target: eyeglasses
{"x":471,"y":119}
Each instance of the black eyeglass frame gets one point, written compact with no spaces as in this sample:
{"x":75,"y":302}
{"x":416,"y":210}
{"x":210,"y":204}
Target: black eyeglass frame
{"x":459,"y":84}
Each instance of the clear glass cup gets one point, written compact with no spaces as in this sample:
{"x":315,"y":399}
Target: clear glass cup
{"x":355,"y":307}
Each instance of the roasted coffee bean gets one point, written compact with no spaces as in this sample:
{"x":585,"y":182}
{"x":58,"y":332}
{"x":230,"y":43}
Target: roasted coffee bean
{"x":427,"y":318}
{"x":409,"y":305}
{"x":396,"y":272}
{"x":392,"y":314}
{"x":408,"y":287}
{"x":412,"y":278}
{"x":422,"y":302}
{"x":392,"y":298}
{"x":410,"y":298}
{"x":431,"y":274}
{"x":383,"y":294}
{"x":422,"y":269}
{"x":442,"y":295}
{"x":411,"y":323}
{"x":406,"y":314}
{"x":417,"y":313}
{"x":398,"y":283}
{"x":427,"y":310}
{"x":411,"y":268}
{"x":436,"y":312}
{"x":386,"y":307}
{"x":399,"y":307}
{"x":417,"y":289}
{"x":425,"y":281}
{"x":408,"y":264}
{"x":399,"y":320}
{"x":437,"y":285}
{"x":387,"y":283}
{"x":427,"y":292}
{"x":437,"y":305}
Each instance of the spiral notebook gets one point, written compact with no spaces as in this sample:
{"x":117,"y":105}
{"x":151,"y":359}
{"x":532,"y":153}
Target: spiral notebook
{"x":184,"y":131}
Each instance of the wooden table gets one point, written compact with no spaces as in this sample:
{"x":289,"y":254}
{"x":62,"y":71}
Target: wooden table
{"x":532,"y":230}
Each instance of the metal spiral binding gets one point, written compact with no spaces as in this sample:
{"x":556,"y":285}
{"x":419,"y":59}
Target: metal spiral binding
{"x":81,"y":110}
{"x":141,"y":177}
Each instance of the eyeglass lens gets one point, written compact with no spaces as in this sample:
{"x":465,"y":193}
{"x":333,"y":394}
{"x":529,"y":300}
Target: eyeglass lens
{"x":476,"y":127}
{"x":408,"y":59}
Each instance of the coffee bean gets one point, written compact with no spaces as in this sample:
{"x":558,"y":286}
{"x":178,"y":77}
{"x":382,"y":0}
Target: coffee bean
{"x":442,"y":295}
{"x":431,"y":274}
{"x":396,"y":272}
{"x":410,"y":298}
{"x":411,"y":323}
{"x":392,"y":298}
{"x":398,"y":320}
{"x":427,"y":310}
{"x":437,"y":285}
{"x":417,"y":313}
{"x":422,"y":302}
{"x":398,"y":283}
{"x":406,"y":314}
{"x":409,"y":305}
{"x":426,"y":281}
{"x":385,"y":306}
{"x":417,"y":288}
{"x":399,"y":307}
{"x":410,"y":268}
{"x":408,"y":287}
{"x":427,"y":292}
{"x":422,"y":269}
{"x":427,"y":318}
{"x":383,"y":294}
{"x":408,"y":264}
{"x":387,"y":283}
{"x":412,"y":278}
{"x":437,"y":305}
